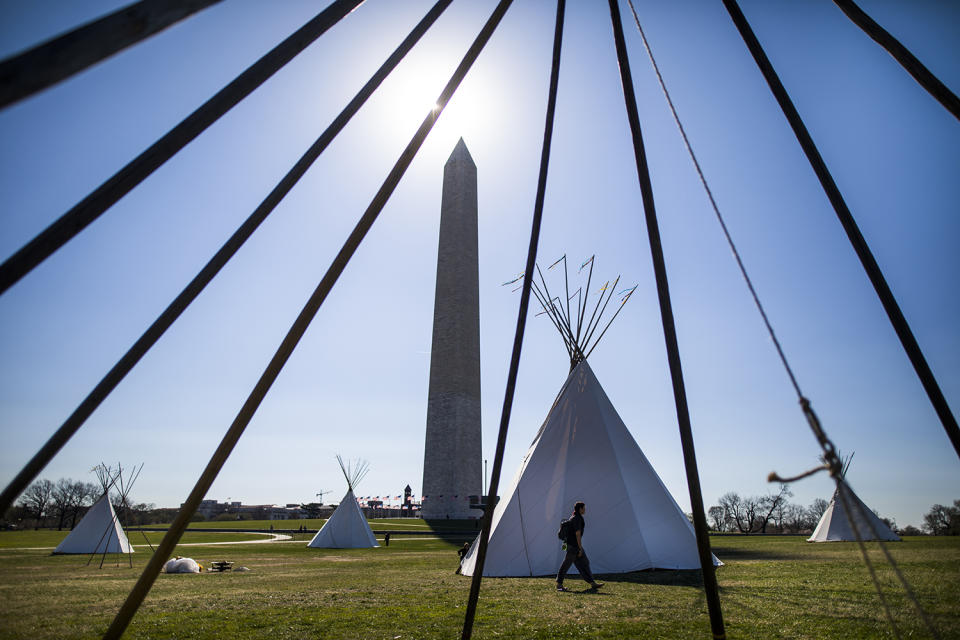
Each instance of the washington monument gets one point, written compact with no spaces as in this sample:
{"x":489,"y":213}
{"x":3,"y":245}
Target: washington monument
{"x":452,"y":457}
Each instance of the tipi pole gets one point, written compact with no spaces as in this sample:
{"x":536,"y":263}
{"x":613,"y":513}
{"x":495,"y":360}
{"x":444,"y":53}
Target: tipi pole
{"x":669,"y":330}
{"x":897,"y":319}
{"x":124,"y":492}
{"x":55,"y":60}
{"x":586,"y":340}
{"x":137,"y":170}
{"x":901,"y":54}
{"x":565,"y":319}
{"x":582,"y":308}
{"x":296,"y":332}
{"x":210,"y":270}
{"x":593,"y":315}
{"x":107,"y":480}
{"x":600,"y":337}
{"x":550,"y":315}
{"x":521,"y":324}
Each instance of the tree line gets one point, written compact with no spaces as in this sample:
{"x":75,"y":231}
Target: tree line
{"x":773,"y":513}
{"x":62,"y":504}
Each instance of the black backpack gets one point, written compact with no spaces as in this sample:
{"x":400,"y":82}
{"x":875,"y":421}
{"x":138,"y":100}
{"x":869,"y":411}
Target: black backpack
{"x":564,"y":531}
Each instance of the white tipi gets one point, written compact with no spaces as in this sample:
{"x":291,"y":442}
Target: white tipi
{"x":585,"y":452}
{"x":99,"y":531}
{"x":840,"y":524}
{"x":347,"y":528}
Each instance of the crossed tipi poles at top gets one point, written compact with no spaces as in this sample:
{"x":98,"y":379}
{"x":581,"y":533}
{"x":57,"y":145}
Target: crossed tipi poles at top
{"x":578,"y":337}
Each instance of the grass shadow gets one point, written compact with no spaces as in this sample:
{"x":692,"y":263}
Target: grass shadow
{"x":661,"y":577}
{"x":733,"y":554}
{"x":457,"y":526}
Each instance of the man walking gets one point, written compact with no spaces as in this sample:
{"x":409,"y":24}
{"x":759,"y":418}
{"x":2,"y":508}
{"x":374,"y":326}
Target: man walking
{"x":575,"y":553}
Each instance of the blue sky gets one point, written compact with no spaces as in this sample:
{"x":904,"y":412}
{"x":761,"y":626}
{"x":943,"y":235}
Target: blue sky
{"x":357,"y":384}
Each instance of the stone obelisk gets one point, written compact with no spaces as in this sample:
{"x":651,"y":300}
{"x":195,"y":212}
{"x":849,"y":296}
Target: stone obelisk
{"x":452,"y":470}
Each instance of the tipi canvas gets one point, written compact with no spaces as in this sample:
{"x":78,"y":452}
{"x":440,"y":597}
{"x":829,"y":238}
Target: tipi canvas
{"x":584,"y":452}
{"x":98,"y":532}
{"x":347,"y":528}
{"x":837,"y":523}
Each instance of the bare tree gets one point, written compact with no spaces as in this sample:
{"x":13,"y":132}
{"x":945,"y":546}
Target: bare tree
{"x":943,"y":520}
{"x":740,"y":510}
{"x":64,"y":498}
{"x":796,"y":518}
{"x":779,"y":516}
{"x":751,"y":508}
{"x":719,"y":517}
{"x":816,"y":510}
{"x":36,"y":499}
{"x":768,"y":504}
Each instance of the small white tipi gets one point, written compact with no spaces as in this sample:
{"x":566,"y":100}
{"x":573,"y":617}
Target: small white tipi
{"x":347,"y":528}
{"x":99,"y":531}
{"x":838,"y":524}
{"x":585,"y":452}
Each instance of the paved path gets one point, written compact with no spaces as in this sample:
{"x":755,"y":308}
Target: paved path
{"x":273,"y":537}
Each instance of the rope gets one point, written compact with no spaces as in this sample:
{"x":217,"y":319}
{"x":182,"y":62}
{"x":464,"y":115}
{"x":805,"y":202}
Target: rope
{"x":713,"y":204}
{"x":293,"y":336}
{"x":521,"y":324}
{"x":137,"y":170}
{"x":163,"y":322}
{"x":832,"y":462}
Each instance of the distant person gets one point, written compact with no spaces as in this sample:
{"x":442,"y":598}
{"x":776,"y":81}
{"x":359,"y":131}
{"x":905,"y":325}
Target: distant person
{"x":462,"y":553}
{"x":386,"y":539}
{"x":575,"y":553}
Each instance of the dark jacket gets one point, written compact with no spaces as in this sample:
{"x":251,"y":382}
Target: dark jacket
{"x":576,"y":524}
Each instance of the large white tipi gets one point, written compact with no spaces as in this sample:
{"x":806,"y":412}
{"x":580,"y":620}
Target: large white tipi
{"x":584,"y":452}
{"x":841,"y":524}
{"x":99,"y":531}
{"x":347,"y":528}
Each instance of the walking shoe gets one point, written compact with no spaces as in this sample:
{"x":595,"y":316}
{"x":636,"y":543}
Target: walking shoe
{"x":596,"y":585}
{"x":560,"y":587}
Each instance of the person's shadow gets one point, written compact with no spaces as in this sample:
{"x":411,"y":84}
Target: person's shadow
{"x":585,"y":590}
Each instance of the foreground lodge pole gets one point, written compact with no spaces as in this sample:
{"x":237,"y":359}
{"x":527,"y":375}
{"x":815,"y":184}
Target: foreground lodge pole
{"x":901,"y":54}
{"x":295,"y":333}
{"x":173,"y":311}
{"x":879,"y":282}
{"x":518,"y":335}
{"x":136,"y":171}
{"x":669,"y":332}
{"x":55,"y":60}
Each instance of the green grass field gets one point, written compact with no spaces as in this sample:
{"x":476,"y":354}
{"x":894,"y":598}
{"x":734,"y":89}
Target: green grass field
{"x":771,"y":587}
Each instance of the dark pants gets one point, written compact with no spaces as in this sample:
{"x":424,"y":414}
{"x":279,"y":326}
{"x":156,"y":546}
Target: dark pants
{"x":582,"y":563}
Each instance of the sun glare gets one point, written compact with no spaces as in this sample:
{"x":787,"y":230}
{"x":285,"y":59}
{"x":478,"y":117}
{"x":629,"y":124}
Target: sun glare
{"x":415,"y":93}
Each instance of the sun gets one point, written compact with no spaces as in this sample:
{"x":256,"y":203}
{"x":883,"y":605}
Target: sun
{"x":413,"y":93}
